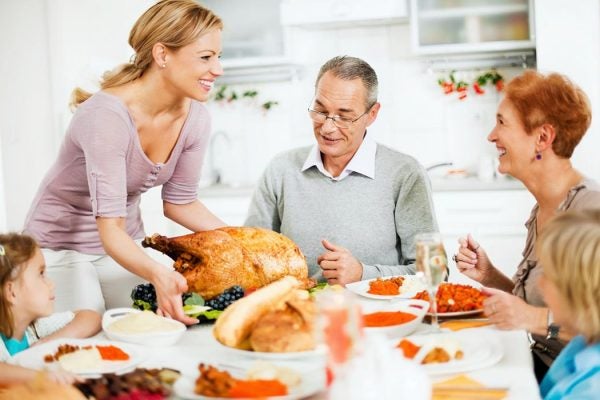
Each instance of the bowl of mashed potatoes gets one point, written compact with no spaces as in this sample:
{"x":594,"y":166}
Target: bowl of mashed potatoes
{"x":141,"y":327}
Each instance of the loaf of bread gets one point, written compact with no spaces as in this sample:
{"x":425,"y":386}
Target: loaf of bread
{"x":235,"y":324}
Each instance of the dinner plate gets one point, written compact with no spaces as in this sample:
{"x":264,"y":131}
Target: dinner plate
{"x":310,"y":384}
{"x":457,"y":313}
{"x":319,"y":352}
{"x":34,"y":356}
{"x":481,"y":349}
{"x":410,"y":287}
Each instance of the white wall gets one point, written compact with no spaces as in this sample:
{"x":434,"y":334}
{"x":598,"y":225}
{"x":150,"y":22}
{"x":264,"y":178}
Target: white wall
{"x":568,"y":41}
{"x":26,"y":120}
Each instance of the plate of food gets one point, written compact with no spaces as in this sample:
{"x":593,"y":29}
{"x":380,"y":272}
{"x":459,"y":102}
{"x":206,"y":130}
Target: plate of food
{"x":81,"y":356}
{"x":452,"y":352}
{"x":263,"y":379}
{"x":317,"y":353}
{"x":392,"y":287}
{"x":455,"y":300}
{"x":394,"y":319}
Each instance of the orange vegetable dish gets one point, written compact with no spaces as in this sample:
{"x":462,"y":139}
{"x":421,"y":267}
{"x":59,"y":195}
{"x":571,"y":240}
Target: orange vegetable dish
{"x":408,"y":348}
{"x":213,"y":382}
{"x":112,"y":353}
{"x":387,"y":318}
{"x":386,"y":287}
{"x":455,"y":298}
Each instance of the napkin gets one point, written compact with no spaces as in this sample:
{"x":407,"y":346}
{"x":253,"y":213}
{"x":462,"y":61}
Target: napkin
{"x":462,"y":387}
{"x":459,"y":324}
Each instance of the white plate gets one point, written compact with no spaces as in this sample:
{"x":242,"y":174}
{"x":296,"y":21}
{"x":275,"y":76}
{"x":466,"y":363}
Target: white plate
{"x":310,"y":384}
{"x":411,"y":286}
{"x":481,"y":349}
{"x":319,"y":352}
{"x":34,"y":356}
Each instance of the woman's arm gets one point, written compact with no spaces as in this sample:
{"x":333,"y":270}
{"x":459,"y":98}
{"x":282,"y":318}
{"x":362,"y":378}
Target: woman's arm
{"x":169,"y":284}
{"x":193,"y":216}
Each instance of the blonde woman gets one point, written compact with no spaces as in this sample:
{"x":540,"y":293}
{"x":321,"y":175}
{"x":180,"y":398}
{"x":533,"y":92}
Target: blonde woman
{"x":146,"y":127}
{"x":569,"y":252}
{"x":539,"y":123}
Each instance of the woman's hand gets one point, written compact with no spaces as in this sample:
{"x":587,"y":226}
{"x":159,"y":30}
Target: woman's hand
{"x":507,"y":312}
{"x":169,"y":286}
{"x":471,"y":260}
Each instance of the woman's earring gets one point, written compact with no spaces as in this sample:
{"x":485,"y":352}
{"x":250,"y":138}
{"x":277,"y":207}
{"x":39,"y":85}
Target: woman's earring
{"x":538,"y":155}
{"x":164,"y":65}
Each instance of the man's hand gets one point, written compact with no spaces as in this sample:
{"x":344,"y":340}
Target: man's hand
{"x":169,"y":286}
{"x":338,"y":265}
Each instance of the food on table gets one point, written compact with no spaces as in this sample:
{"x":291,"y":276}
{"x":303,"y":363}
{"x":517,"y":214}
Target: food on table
{"x":387,"y":318}
{"x":289,"y":316}
{"x":263,"y":370}
{"x":225,"y":299}
{"x":452,"y":297}
{"x":213,"y":261}
{"x":213,"y":382}
{"x":40,"y":388}
{"x":142,"y":322}
{"x":386,"y":287}
{"x":80,"y":359}
{"x":439,"y":350}
{"x":287,"y":329}
{"x":139,"y":384}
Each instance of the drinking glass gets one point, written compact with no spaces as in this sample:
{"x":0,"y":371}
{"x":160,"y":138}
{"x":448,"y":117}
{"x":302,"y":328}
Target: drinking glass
{"x":432,"y":268}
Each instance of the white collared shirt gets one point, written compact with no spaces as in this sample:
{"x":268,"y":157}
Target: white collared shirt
{"x":363,"y":161}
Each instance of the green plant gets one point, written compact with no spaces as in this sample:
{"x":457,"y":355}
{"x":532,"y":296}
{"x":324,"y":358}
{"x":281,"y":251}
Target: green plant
{"x":226,"y":94}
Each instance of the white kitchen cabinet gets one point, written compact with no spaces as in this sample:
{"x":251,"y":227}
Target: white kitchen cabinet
{"x":495,"y":219}
{"x":467,"y":26}
{"x":342,"y":13}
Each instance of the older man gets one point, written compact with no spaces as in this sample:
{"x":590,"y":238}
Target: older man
{"x":353,"y":206}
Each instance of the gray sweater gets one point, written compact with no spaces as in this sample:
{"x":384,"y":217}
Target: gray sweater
{"x":376,"y":219}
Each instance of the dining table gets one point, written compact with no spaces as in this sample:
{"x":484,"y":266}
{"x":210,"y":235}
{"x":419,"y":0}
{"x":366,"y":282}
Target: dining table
{"x":512,"y":370}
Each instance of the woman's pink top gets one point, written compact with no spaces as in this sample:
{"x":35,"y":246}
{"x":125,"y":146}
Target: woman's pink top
{"x":102,"y":171}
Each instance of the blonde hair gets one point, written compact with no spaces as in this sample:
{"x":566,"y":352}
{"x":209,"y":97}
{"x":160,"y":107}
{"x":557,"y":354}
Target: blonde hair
{"x":569,"y":252}
{"x":551,"y":99}
{"x":15,"y":251}
{"x":174,"y":23}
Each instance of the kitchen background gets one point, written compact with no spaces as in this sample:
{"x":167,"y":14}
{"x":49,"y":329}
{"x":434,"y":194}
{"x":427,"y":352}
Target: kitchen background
{"x":271,"y":53}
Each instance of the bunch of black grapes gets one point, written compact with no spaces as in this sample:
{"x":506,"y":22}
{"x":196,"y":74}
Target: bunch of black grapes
{"x":144,"y":297}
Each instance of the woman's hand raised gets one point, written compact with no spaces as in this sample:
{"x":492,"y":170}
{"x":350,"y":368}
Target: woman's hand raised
{"x":471,"y":260}
{"x":169,"y":286}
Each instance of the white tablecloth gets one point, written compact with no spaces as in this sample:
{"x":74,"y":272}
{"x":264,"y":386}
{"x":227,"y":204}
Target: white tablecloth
{"x":514,"y":370}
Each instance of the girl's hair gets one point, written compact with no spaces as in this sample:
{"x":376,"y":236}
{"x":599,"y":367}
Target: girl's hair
{"x":569,"y":252}
{"x":551,"y":99}
{"x":174,"y":23}
{"x":349,"y":68}
{"x":15,"y":250}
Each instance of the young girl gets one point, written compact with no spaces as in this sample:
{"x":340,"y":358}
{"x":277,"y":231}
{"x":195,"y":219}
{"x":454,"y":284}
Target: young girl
{"x":26,"y":305}
{"x":569,"y":252}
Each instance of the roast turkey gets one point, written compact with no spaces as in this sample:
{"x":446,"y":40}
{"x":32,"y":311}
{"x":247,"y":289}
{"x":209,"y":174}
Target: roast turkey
{"x":213,"y":261}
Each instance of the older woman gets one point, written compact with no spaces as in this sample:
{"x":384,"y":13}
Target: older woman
{"x":539,"y":122}
{"x":569,"y":252}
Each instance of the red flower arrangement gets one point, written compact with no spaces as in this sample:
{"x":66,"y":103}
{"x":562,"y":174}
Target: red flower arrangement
{"x":450,"y":85}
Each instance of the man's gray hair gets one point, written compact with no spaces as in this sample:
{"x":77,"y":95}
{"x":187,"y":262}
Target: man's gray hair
{"x":349,"y":68}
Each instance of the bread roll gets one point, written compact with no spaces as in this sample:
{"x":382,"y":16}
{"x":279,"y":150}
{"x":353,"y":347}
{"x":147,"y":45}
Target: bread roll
{"x":234,"y":326}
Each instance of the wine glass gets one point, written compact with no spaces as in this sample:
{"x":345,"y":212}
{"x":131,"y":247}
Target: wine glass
{"x":432,"y":268}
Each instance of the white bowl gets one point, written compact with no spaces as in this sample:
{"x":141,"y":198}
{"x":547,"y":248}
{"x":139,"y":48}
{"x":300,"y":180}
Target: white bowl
{"x":413,"y":306}
{"x":165,"y":338}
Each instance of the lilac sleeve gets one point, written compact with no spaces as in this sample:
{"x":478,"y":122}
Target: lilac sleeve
{"x":182,"y":187}
{"x":103,"y":136}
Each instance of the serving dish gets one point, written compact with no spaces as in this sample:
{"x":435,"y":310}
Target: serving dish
{"x":166,"y":338}
{"x":418,"y":308}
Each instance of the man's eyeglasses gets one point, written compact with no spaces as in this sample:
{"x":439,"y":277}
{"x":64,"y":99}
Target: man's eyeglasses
{"x":341,"y":122}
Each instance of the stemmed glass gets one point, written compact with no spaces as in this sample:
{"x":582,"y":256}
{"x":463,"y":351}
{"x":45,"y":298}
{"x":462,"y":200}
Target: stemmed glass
{"x":432,"y":268}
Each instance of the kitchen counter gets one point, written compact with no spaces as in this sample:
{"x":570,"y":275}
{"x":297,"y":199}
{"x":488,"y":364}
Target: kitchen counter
{"x":438,"y":184}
